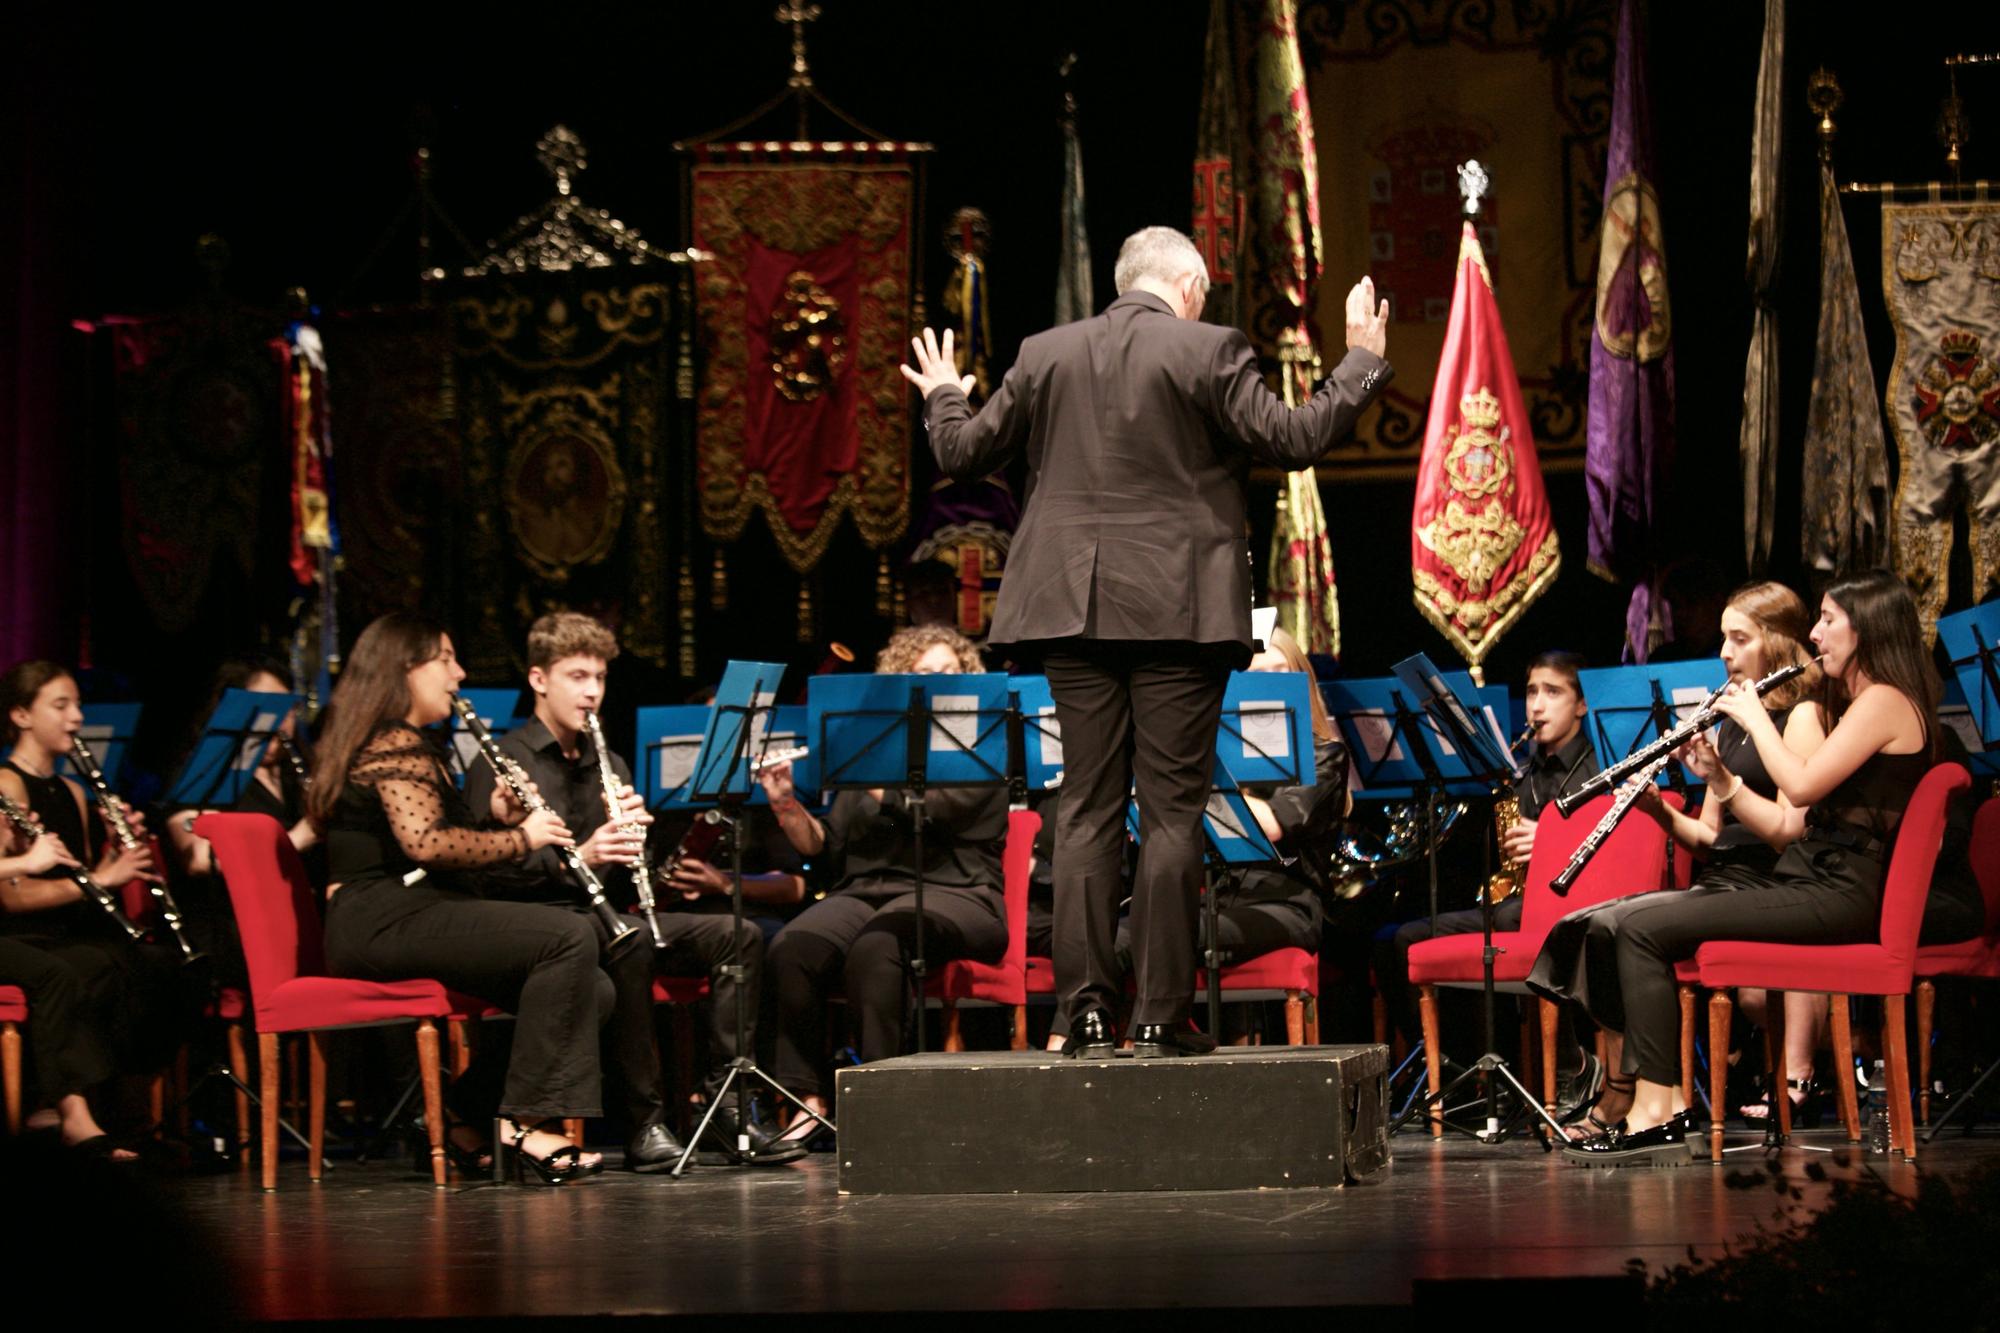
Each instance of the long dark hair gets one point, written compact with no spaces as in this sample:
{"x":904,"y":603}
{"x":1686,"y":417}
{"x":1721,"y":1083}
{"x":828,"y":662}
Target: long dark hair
{"x":373,"y":689}
{"x":18,"y":688}
{"x":1889,"y":646}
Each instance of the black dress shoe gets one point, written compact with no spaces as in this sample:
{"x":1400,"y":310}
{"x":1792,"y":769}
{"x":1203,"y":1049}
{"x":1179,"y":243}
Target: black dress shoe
{"x":1091,"y":1037}
{"x":765,"y":1148}
{"x":1151,"y":1041}
{"x":653,"y":1149}
{"x":1665,"y":1144}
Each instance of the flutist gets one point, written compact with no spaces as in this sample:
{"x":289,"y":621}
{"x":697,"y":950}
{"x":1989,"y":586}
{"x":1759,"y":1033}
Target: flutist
{"x":1743,"y":824}
{"x":569,"y":659}
{"x":130,"y":995}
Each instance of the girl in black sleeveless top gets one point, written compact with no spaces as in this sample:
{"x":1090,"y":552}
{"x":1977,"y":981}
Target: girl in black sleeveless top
{"x":1742,"y":825}
{"x":1881,"y":698}
{"x":121,"y":1004}
{"x":404,"y":855}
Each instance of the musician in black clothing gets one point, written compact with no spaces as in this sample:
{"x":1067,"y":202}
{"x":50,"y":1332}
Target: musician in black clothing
{"x":130,"y":996}
{"x":569,"y":656}
{"x":1564,"y":758}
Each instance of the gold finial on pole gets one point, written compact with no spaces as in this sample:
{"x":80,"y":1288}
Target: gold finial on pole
{"x":1823,"y":95}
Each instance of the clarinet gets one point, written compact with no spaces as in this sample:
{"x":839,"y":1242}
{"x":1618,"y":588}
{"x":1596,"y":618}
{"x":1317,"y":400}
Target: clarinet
{"x":1564,"y":878}
{"x":621,"y":934}
{"x":31,"y":828}
{"x":1702,"y":719}
{"x":642,"y":874}
{"x":290,"y":749}
{"x":708,"y":827}
{"x":121,"y":829}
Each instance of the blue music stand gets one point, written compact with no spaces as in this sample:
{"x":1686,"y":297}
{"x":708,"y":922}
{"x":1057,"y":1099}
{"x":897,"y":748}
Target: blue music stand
{"x":1041,"y":748}
{"x":108,"y":729}
{"x":231,"y":746}
{"x":1972,"y":639}
{"x":911,"y":732}
{"x":1632,"y":706}
{"x":668,"y":740}
{"x":1955,"y":713}
{"x":498,"y":710}
{"x":1265,"y":736}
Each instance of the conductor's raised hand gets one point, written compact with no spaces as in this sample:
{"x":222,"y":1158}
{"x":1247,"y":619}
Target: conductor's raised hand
{"x":935,"y":366}
{"x":1367,"y":319}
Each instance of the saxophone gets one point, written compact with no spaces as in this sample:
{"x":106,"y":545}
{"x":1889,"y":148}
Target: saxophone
{"x":1512,"y":877}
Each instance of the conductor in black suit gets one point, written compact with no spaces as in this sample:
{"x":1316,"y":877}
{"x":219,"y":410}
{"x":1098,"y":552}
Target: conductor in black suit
{"x":1130,"y":580}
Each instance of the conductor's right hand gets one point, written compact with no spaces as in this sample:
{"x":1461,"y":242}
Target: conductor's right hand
{"x":545,"y":829}
{"x":1367,"y":321}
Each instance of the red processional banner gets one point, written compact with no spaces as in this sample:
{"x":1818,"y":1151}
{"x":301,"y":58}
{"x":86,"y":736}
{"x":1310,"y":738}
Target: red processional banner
{"x":1482,"y":546}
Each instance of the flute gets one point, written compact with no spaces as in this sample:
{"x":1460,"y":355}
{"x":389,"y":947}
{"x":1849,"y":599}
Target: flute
{"x":31,"y":829}
{"x":1647,"y":756}
{"x":121,"y":829}
{"x":621,"y":934}
{"x":642,"y":874}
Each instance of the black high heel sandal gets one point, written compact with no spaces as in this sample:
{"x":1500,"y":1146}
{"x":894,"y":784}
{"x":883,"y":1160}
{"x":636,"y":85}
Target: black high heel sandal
{"x":1806,"y":1111}
{"x":466,"y":1161}
{"x":558,"y":1168}
{"x":1587,"y":1112}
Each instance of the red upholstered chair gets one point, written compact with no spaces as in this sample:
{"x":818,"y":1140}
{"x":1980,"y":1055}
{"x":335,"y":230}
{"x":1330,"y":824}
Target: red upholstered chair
{"x":1884,"y":968}
{"x":1291,"y":975}
{"x":289,"y":988}
{"x":1978,"y":957}
{"x":1633,"y":859}
{"x":962,"y":981}
{"x":13,"y":1013}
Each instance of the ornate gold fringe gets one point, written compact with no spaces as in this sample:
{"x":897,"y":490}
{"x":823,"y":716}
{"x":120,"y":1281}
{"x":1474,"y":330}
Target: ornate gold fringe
{"x":685,"y":599}
{"x":885,"y":587}
{"x":718,"y":583}
{"x":805,"y":610}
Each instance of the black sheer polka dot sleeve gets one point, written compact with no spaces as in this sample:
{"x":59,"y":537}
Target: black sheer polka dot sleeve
{"x":423,"y":810}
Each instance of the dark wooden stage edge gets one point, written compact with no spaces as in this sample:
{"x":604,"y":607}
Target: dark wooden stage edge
{"x":1026,"y":1122}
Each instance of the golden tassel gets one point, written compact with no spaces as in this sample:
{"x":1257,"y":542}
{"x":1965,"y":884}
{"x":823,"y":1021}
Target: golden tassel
{"x":718,"y":584}
{"x":885,"y":587}
{"x":686,"y":616}
{"x":805,"y":609}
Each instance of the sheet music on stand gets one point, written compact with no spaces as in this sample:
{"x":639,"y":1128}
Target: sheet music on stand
{"x":1971,"y":704}
{"x":859,"y":728}
{"x":1620,"y":717}
{"x":232,"y":744}
{"x":1265,"y":735}
{"x":500,"y":712}
{"x":1041,"y":733}
{"x":738,"y":732}
{"x":669,"y":741}
{"x":107,"y":729}
{"x":1395,"y":748}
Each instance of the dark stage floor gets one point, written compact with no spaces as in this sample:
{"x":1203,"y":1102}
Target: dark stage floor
{"x":374,"y":1241}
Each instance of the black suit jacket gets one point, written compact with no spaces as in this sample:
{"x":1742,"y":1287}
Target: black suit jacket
{"x":1140,"y":430}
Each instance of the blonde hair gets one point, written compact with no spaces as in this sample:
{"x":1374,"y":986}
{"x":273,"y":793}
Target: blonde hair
{"x":1781,"y":618}
{"x":1295,"y":658}
{"x":900,"y":654}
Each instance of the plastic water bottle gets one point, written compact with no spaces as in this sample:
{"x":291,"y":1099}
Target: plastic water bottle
{"x":1878,"y":1113}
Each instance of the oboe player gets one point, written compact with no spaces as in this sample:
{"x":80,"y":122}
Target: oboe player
{"x":569,"y":659}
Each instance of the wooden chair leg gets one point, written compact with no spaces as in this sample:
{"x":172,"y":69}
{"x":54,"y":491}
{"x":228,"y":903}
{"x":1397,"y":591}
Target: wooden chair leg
{"x":1843,"y":1067}
{"x":1926,"y":1012}
{"x":1378,"y":1014}
{"x":239,"y":1065}
{"x":267,"y":1082}
{"x":1427,"y":1007}
{"x":156,"y":1101}
{"x":1687,"y":1044}
{"x":684,"y":1064}
{"x":1902,"y":1127}
{"x":432,"y":1075}
{"x":1528,"y":1046}
{"x":1549,"y":1017}
{"x":1774,"y":1054}
{"x":1719,"y":1006}
{"x":316,"y":1103}
{"x":954,"y":1027}
{"x":1312,"y":1020}
{"x":1019,"y":1040}
{"x":10,"y":1073}
{"x":294,"y":1103}
{"x":458,"y":1047}
{"x":573,"y":1130}
{"x":1295,"y":1018}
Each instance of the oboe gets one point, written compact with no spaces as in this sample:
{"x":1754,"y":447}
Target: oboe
{"x":621,"y":934}
{"x":31,"y":829}
{"x":642,"y":874}
{"x":1701,"y":720}
{"x":1578,"y":859}
{"x":121,"y":829}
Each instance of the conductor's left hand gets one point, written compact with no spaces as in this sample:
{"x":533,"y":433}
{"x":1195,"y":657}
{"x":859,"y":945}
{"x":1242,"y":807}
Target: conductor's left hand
{"x":935,"y":366}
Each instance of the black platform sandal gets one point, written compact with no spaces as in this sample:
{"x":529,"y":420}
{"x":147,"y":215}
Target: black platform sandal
{"x":1587,"y":1111}
{"x":560,"y":1167}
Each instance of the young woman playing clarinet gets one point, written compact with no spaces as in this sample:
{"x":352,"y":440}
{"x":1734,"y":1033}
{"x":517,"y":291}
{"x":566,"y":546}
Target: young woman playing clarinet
{"x":129,"y":997}
{"x":1880,"y":697}
{"x":1744,"y":824}
{"x":404,"y":853}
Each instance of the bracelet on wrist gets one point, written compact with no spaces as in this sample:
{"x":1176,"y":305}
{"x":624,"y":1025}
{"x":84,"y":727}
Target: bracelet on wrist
{"x":1735,"y":789}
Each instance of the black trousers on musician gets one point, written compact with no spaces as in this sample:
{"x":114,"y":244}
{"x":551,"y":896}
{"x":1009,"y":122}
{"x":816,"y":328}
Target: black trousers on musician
{"x":863,"y":936}
{"x":700,"y":944}
{"x":537,"y":962}
{"x":1143,"y":713}
{"x":68,"y":995}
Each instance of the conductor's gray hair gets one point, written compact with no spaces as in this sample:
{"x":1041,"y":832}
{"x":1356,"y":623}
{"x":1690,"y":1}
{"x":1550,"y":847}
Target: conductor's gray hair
{"x":1160,"y":253}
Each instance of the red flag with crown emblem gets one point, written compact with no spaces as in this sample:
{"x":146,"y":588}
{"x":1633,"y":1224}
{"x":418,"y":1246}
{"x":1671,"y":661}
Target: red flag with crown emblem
{"x":1482,"y":546}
